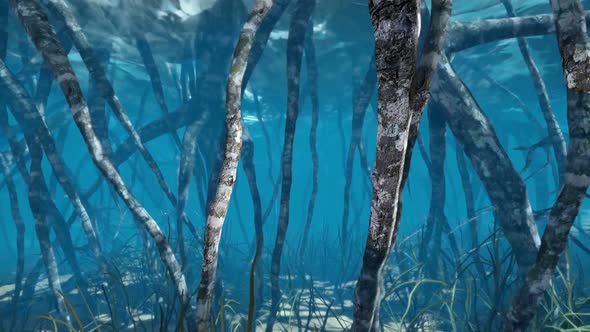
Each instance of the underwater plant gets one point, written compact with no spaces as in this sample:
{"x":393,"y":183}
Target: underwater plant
{"x":225,"y":195}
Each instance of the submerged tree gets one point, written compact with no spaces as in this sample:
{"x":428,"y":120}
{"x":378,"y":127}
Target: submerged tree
{"x":396,"y":26}
{"x":227,"y":176}
{"x":571,"y":30}
{"x":572,"y":38}
{"x":43,"y":36}
{"x":404,"y":75}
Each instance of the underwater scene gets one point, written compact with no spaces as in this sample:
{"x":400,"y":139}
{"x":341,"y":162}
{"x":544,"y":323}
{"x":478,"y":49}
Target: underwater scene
{"x":294,"y":165}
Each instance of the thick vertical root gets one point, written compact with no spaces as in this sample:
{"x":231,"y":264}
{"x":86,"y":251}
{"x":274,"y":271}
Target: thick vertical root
{"x":403,"y":90}
{"x":227,"y":175}
{"x":574,"y":46}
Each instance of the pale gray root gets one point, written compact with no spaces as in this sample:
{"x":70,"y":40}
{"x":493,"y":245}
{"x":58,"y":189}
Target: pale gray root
{"x":504,"y":186}
{"x":64,"y":14}
{"x":55,"y":218}
{"x":360,"y":103}
{"x":555,"y":133}
{"x":295,"y":47}
{"x":227,"y":176}
{"x":150,"y":132}
{"x":28,"y":117}
{"x":572,"y":38}
{"x":464,"y":35}
{"x":96,"y":103}
{"x":312,"y":82}
{"x":403,"y":90}
{"x":37,"y":26}
{"x":526,"y":302}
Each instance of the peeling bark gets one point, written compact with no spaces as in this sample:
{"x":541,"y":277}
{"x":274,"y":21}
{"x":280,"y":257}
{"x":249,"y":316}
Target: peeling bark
{"x":403,"y":89}
{"x":435,"y":40}
{"x":295,"y":47}
{"x":570,"y":25}
{"x":227,"y":176}
{"x":37,"y":26}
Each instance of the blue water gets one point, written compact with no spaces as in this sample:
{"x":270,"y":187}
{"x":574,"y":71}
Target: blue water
{"x":344,"y":46}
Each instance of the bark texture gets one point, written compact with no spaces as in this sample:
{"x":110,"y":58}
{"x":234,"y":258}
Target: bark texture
{"x":227,"y":176}
{"x":403,"y":90}
{"x":36,"y":131}
{"x":504,"y":185}
{"x":63,"y":13}
{"x":573,"y":43}
{"x":36,"y":24}
{"x":563,"y":214}
{"x":577,"y":178}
